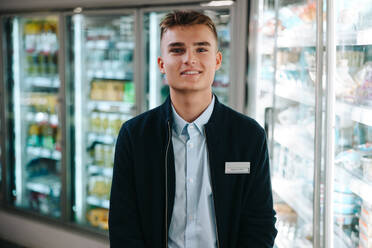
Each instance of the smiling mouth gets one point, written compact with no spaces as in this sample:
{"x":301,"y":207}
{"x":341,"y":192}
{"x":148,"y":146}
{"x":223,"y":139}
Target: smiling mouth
{"x":190,"y":73}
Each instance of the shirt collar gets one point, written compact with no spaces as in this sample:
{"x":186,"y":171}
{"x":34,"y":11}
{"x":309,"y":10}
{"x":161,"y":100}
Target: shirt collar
{"x":179,"y":122}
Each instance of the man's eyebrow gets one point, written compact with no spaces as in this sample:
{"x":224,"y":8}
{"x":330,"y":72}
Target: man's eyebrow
{"x":202,"y":43}
{"x":181,"y":44}
{"x":176,"y":44}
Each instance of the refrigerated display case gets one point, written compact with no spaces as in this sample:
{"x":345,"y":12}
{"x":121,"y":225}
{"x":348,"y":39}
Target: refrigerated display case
{"x":102,"y":51}
{"x":352,"y":113}
{"x":156,"y":87}
{"x":283,"y":80}
{"x":32,"y":75}
{"x":321,"y":122}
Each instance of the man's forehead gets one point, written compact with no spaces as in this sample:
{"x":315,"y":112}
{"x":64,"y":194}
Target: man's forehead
{"x":172,"y":34}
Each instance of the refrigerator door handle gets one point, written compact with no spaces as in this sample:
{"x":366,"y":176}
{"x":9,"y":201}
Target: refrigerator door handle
{"x":268,"y":120}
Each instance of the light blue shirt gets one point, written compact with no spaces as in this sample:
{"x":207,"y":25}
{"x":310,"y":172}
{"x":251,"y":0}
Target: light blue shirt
{"x":193,"y":219}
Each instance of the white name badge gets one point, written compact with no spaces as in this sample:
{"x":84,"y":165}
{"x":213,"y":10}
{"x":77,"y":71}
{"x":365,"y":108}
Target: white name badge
{"x":237,"y":167}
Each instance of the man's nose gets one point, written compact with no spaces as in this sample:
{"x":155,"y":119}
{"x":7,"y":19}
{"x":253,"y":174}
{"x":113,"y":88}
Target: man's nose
{"x":189,"y":58}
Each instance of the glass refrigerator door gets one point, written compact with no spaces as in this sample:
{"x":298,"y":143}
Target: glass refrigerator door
{"x":104,"y":98}
{"x":32,"y":58}
{"x":293,"y":138}
{"x":264,"y":66}
{"x":352,"y":197}
{"x":156,"y":86}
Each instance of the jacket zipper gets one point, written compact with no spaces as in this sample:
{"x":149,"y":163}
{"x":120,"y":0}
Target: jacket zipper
{"x":214,"y":204}
{"x":166,"y":187}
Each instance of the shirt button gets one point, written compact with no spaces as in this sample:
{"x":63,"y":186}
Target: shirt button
{"x":191,"y":180}
{"x":190,"y":217}
{"x":191,"y":145}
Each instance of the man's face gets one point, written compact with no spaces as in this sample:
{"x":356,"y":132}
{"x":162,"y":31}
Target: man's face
{"x":189,"y":58}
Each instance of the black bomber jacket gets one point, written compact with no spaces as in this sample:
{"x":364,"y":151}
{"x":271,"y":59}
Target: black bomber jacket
{"x":143,"y":185}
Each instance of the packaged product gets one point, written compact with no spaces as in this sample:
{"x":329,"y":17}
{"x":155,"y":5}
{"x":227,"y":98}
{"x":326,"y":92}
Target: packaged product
{"x":114,"y":91}
{"x":343,"y":219}
{"x":99,"y":154}
{"x":97,"y":186}
{"x":345,"y":87}
{"x":364,"y":79}
{"x":98,"y":217}
{"x":350,"y":159}
{"x":365,"y":227}
{"x":97,"y":91}
{"x":105,"y":122}
{"x":367,"y":167}
{"x":366,"y":212}
{"x":345,"y":198}
{"x":340,"y":208}
{"x":364,"y":241}
{"x":129,"y":92}
{"x":33,"y":135}
{"x":285,"y":213}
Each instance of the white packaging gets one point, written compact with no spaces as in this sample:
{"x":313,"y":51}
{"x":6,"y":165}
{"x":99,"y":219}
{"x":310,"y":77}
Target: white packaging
{"x":364,"y":241}
{"x":365,"y":227}
{"x":366,"y":213}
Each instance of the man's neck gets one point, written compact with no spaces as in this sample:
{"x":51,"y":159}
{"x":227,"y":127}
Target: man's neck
{"x":190,"y":105}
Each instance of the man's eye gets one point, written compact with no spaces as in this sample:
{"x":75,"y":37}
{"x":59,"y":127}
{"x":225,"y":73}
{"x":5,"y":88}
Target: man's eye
{"x":177,"y":50}
{"x":200,"y":50}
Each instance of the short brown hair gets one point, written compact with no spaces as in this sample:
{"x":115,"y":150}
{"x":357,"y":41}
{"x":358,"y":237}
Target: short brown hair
{"x":186,"y":18}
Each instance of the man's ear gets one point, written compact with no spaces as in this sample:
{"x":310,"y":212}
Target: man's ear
{"x":218,"y":60}
{"x":161,"y":65}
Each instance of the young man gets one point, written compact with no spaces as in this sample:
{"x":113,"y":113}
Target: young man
{"x":192,"y":172}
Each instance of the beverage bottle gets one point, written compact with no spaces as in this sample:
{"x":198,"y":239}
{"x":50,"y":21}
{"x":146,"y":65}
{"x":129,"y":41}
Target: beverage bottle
{"x":105,"y":123}
{"x":48,"y":136}
{"x":33,"y":135}
{"x":99,"y":154}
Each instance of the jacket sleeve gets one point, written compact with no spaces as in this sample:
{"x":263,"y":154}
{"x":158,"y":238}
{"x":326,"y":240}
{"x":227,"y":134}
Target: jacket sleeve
{"x":257,"y":222}
{"x":124,"y":222}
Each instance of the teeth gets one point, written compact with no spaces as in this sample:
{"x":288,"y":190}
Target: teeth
{"x":191,"y":72}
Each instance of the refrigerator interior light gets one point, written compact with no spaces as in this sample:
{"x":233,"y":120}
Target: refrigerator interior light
{"x":78,"y":23}
{"x":17,"y":111}
{"x":217,"y":3}
{"x":78,"y":10}
{"x":153,"y":73}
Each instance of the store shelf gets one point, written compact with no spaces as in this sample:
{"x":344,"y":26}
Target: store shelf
{"x":287,"y":192}
{"x":105,"y":45}
{"x":44,"y":82}
{"x":361,"y":114}
{"x":101,"y":138}
{"x":345,"y":38}
{"x":118,"y":74}
{"x":95,"y":201}
{"x":300,"y":95}
{"x":97,"y":169}
{"x":357,"y":185}
{"x":48,"y":185}
{"x":294,"y":41}
{"x":42,"y":117}
{"x":112,"y":106}
{"x":44,"y":153}
{"x":288,"y":137}
{"x":354,"y":38}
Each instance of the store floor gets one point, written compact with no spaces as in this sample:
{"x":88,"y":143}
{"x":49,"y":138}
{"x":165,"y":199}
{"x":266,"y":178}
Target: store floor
{"x":8,"y":244}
